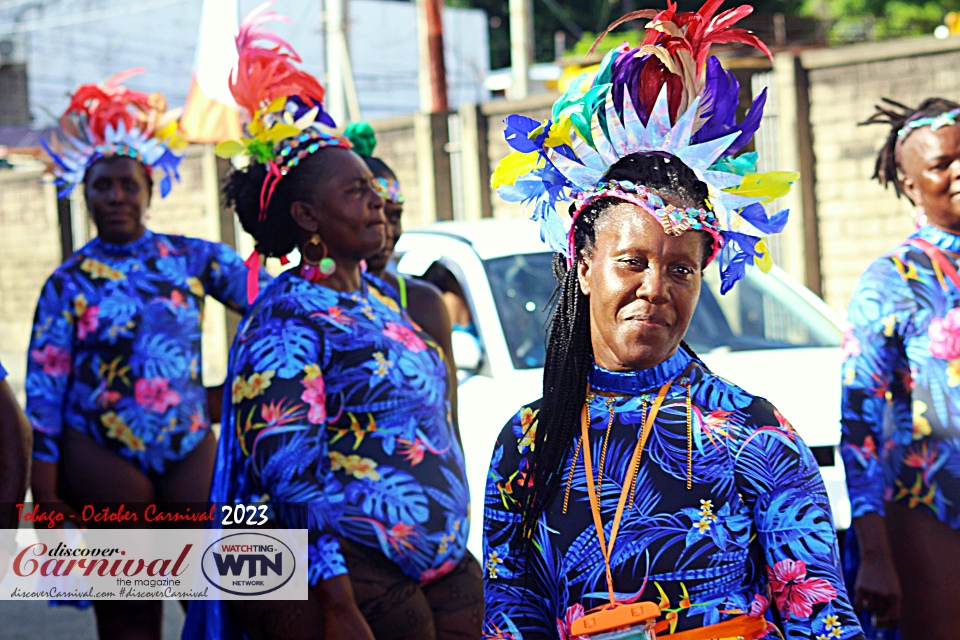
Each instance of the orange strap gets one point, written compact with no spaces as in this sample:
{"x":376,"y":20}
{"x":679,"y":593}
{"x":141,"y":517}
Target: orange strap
{"x":605,"y":548}
{"x":939,"y":260}
{"x":746,"y":627}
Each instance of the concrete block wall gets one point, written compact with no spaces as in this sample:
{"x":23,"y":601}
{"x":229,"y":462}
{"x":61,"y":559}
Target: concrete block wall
{"x":29,"y":252}
{"x":857,"y":219}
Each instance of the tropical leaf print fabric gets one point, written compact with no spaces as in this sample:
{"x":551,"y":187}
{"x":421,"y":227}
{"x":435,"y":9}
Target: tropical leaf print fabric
{"x":115,"y":349}
{"x":901,"y":385}
{"x":339,"y":420}
{"x":754,"y":529}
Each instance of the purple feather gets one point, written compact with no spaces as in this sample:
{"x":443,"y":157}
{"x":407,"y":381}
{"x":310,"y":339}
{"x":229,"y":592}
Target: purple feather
{"x":721,"y":96}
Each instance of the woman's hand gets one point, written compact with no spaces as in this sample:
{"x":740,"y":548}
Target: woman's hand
{"x":877,"y":590}
{"x":341,"y":616}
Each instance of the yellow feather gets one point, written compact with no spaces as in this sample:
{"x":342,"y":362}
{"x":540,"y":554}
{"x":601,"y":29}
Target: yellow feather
{"x":280,"y":131}
{"x":764,"y":260}
{"x":513,"y":166}
{"x":560,"y":133}
{"x":229,"y":148}
{"x":769,"y":185}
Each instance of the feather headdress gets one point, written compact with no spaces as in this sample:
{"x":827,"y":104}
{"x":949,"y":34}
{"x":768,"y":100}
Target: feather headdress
{"x":283,"y":103}
{"x":667,"y":95}
{"x":109,"y":119}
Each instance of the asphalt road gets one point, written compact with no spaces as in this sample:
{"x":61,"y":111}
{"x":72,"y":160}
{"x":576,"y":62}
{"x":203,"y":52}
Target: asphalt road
{"x":36,"y":620}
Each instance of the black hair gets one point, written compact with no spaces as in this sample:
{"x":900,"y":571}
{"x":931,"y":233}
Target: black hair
{"x":569,"y":354}
{"x":897,"y":115}
{"x":378,"y":167}
{"x":277,"y":234}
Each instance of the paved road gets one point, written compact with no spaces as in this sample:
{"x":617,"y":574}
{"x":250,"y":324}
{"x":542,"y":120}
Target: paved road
{"x":35,"y":620}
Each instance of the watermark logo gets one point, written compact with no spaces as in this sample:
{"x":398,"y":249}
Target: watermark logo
{"x":248,"y":564}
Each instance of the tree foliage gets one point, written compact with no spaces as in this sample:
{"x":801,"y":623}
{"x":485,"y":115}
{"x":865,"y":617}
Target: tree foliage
{"x":855,"y":20}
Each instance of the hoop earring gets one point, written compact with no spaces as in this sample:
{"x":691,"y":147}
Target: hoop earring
{"x":315,"y":268}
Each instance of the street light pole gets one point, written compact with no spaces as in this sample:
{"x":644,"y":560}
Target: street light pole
{"x":432,"y":70}
{"x":521,"y":47}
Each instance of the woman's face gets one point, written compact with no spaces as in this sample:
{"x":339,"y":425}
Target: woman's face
{"x":392,"y":213}
{"x":643,"y":287}
{"x":117,"y":192}
{"x":931,"y":165}
{"x":349,"y":211}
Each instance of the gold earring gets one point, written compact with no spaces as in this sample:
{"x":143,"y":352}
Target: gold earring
{"x":325,"y":265}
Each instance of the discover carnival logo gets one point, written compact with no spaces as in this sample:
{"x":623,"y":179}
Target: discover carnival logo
{"x":248,"y":564}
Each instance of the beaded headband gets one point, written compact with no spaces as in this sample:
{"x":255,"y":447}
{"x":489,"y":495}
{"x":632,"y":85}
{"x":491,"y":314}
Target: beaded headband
{"x":674,"y":220}
{"x":388,"y":189}
{"x":935,"y":122}
{"x":107,"y":119}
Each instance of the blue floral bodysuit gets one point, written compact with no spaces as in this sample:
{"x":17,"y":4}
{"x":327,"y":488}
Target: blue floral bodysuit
{"x":901,"y":384}
{"x":339,"y":420}
{"x":754,"y":526}
{"x":115,"y":350}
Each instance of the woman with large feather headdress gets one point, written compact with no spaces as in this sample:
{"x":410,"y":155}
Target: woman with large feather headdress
{"x":643,"y":494}
{"x":339,"y":414}
{"x":114,"y":392}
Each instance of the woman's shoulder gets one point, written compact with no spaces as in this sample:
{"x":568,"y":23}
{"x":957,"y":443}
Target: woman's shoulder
{"x":521,"y":428}
{"x":715,"y":396}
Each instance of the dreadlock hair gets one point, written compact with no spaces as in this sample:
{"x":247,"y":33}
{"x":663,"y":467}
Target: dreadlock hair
{"x":897,"y":115}
{"x":277,"y":234}
{"x":569,"y":355}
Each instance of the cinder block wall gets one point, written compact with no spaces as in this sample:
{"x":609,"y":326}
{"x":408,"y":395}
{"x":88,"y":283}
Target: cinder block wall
{"x":29,"y":252}
{"x":857,"y":219}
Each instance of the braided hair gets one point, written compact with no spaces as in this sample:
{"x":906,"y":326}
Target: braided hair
{"x":569,"y":355}
{"x":896,"y":115}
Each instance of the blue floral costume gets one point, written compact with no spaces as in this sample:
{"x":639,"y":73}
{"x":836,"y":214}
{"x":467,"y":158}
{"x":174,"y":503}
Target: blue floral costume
{"x":115,"y":350}
{"x":754,"y":525}
{"x":340,"y":421}
{"x":901,"y":384}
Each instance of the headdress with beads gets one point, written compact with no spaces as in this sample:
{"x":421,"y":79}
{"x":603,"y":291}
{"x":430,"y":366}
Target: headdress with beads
{"x":284,"y":104}
{"x":109,"y":119}
{"x":364,"y":140}
{"x":666,"y":95}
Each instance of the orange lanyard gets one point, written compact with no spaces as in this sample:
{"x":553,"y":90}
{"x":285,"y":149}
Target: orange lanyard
{"x":605,"y":548}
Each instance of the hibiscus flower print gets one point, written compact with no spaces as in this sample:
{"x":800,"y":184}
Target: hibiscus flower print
{"x":87,"y":316}
{"x":408,"y":338}
{"x":944,"y":336}
{"x":794,"y":593}
{"x":315,"y":395}
{"x":851,"y":345}
{"x":155,"y":394}
{"x":55,"y":361}
{"x":572,"y":614}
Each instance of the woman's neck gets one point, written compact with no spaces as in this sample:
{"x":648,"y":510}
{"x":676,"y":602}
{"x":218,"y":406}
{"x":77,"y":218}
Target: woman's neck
{"x":346,"y":278}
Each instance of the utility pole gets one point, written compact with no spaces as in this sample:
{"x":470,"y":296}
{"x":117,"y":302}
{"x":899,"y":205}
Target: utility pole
{"x":341,"y":99}
{"x":521,"y":47}
{"x":432,"y":75}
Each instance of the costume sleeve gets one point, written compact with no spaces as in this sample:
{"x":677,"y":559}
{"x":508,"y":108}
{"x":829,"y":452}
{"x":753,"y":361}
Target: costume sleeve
{"x":780,"y":484}
{"x":226,"y":276}
{"x":517,"y":601}
{"x":49,"y":366}
{"x":279,"y":415}
{"x":873,"y":364}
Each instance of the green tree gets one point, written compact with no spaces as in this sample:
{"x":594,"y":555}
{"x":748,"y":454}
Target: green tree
{"x":856,"y":20}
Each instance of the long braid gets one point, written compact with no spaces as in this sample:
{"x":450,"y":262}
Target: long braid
{"x":897,"y":115}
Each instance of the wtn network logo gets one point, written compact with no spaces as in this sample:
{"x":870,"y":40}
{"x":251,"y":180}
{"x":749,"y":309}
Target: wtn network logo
{"x":248,"y":564}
